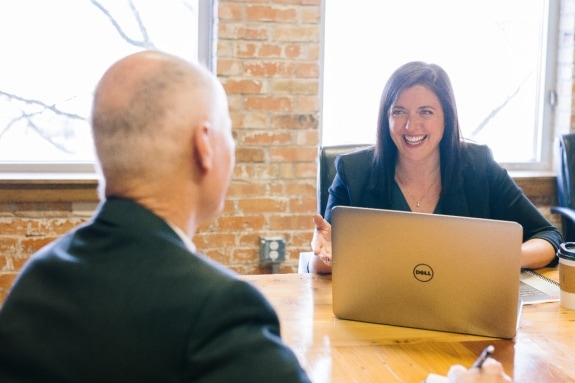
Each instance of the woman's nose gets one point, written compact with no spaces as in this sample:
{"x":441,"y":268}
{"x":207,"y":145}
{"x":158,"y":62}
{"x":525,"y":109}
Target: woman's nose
{"x":411,"y":122}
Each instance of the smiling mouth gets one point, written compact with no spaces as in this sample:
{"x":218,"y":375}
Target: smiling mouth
{"x":414,"y":140}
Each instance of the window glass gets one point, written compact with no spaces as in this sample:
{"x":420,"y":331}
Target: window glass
{"x":53,"y":54}
{"x":495,"y":52}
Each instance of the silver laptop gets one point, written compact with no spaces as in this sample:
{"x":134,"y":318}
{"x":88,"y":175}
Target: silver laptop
{"x":426,"y":271}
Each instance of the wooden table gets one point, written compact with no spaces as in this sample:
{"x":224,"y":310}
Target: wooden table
{"x":334,"y":350}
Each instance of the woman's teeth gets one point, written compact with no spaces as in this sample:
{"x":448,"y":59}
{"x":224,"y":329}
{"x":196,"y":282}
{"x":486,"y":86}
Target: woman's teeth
{"x":413,"y":140}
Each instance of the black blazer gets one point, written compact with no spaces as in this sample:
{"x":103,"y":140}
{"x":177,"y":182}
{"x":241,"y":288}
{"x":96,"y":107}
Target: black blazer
{"x":484,"y":190}
{"x":121,"y":299}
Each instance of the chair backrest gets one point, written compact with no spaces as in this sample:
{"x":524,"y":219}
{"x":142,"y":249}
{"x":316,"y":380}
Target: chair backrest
{"x":326,"y":170}
{"x":566,"y":171}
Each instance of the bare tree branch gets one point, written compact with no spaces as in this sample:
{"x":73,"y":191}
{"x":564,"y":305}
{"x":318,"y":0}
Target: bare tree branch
{"x":144,"y":42}
{"x":28,"y":117}
{"x":495,"y":111}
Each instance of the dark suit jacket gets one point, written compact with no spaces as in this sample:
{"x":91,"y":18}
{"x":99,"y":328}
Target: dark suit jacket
{"x":484,"y":190}
{"x":121,"y":299}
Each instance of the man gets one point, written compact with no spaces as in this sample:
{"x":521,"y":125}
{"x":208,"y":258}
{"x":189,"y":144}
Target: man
{"x":126,"y":297}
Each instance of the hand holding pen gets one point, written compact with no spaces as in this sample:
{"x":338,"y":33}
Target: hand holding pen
{"x":484,"y":370}
{"x":484,"y":355}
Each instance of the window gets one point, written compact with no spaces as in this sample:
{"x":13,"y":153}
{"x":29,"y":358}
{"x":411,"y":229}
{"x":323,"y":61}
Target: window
{"x":53,"y":54}
{"x":499,"y":54}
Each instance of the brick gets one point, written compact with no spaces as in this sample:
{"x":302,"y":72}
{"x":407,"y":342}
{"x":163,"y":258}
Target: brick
{"x":267,"y":13}
{"x":268,"y":103}
{"x":266,"y":138}
{"x":225,"y":50}
{"x":305,"y":170}
{"x":9,"y":246}
{"x":216,"y":255}
{"x":262,"y":205}
{"x":242,"y":222}
{"x":226,"y":67}
{"x":252,"y":239}
{"x":293,"y":51}
{"x":253,"y":33}
{"x":228,"y":31}
{"x":269,"y":50}
{"x":313,"y":52}
{"x":300,"y":2}
{"x":301,"y":239}
{"x":243,"y":86}
{"x":307,"y":103}
{"x":292,"y":86}
{"x":244,"y":255}
{"x":286,"y":170}
{"x":307,"y":137}
{"x":244,"y":1}
{"x":295,"y":121}
{"x":302,"y":204}
{"x":259,"y":172}
{"x":227,"y":11}
{"x":250,"y":155}
{"x":293,"y":221}
{"x":204,"y":239}
{"x":268,"y":68}
{"x":301,"y":188}
{"x":308,"y":70}
{"x":257,"y":120}
{"x":247,"y":50}
{"x":242,"y":189}
{"x":296,"y":33}
{"x":235,"y":101}
{"x":310,"y":15}
{"x":292,"y":154}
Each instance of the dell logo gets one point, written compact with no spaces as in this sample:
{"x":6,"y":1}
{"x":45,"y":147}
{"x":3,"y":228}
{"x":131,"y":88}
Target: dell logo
{"x":423,"y":272}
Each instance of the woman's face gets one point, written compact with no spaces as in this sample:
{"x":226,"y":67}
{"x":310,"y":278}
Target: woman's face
{"x":416,"y":124}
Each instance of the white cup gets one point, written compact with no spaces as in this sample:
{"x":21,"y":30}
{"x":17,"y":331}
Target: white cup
{"x":566,"y":254}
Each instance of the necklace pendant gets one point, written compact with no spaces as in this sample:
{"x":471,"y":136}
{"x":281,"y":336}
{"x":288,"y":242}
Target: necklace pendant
{"x":417,"y":203}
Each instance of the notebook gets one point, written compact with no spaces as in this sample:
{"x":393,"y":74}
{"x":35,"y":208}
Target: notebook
{"x":536,"y":288}
{"x":427,"y":271}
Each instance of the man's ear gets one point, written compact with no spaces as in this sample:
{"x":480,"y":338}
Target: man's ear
{"x":203,"y":152}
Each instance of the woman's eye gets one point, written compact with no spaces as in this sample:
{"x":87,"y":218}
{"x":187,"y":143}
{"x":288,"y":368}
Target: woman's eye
{"x":397,"y":113}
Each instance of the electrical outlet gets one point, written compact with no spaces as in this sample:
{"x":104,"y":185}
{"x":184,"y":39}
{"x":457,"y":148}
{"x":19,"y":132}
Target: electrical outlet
{"x":272,"y":249}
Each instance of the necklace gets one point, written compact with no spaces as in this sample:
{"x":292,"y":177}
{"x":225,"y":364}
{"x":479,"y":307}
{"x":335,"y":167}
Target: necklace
{"x":417,"y":200}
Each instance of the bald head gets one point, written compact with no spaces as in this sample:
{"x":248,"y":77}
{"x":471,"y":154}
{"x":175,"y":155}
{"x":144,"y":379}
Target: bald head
{"x":145,"y":108}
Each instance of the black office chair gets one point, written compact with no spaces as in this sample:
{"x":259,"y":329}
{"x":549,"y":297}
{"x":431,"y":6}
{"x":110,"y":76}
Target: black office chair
{"x":326,"y":170}
{"x":325,"y":174}
{"x":566,"y":185}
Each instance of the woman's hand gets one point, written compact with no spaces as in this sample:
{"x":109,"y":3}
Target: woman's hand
{"x":321,"y":245}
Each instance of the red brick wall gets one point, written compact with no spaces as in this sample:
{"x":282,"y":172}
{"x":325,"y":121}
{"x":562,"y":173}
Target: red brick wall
{"x":26,"y":227}
{"x":268,"y":60}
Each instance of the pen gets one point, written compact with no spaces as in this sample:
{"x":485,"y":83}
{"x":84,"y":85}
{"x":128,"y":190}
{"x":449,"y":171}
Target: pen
{"x":484,"y":355}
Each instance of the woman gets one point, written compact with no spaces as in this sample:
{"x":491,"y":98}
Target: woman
{"x":420,"y":163}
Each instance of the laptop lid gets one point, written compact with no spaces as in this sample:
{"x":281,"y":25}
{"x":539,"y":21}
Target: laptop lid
{"x":428,"y":271}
